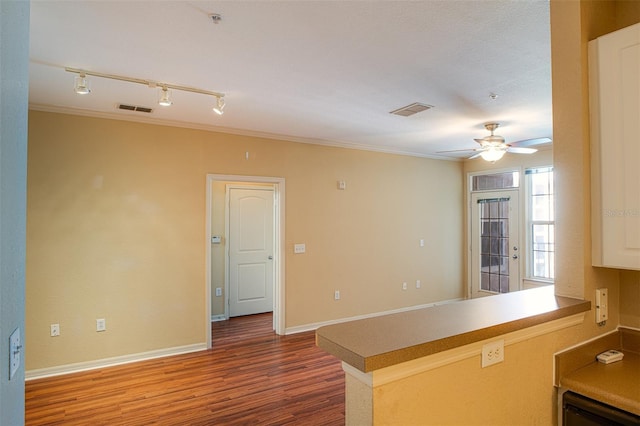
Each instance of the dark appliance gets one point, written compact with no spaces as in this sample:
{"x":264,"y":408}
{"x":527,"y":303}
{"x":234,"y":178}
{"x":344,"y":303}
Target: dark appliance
{"x":578,"y":410}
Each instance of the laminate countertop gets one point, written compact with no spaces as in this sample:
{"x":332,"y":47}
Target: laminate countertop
{"x":373,"y":343}
{"x":616,"y":384}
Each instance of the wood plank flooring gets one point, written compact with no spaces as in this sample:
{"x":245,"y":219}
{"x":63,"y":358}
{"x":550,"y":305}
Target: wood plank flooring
{"x":251,"y":377}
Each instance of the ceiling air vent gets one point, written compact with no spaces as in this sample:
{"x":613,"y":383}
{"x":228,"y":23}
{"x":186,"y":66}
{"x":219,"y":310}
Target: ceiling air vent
{"x":135,"y":108}
{"x":408,"y":110}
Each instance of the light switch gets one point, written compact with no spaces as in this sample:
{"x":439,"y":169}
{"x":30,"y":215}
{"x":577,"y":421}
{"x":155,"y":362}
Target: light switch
{"x":15,"y":350}
{"x":299,"y":248}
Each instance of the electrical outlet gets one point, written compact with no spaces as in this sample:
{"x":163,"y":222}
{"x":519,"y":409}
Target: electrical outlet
{"x":418,"y":284}
{"x":218,"y":291}
{"x":101,"y":324}
{"x":336,"y":295}
{"x":404,"y":286}
{"x":55,"y":330}
{"x":492,"y":353}
{"x":602,"y":305}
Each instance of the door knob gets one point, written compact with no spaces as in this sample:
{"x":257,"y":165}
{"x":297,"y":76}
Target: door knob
{"x":515,"y":256}
{"x":270,"y":257}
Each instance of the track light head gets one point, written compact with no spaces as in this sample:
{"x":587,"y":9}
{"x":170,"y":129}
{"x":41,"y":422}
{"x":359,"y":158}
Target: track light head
{"x":219,"y":108}
{"x":165,"y":97}
{"x":81,"y":86}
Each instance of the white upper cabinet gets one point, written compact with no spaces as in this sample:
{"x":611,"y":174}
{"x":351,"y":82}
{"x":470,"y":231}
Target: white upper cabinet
{"x":614,"y":90}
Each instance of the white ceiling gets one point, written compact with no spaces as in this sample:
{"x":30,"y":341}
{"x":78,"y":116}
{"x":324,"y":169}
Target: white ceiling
{"x":315,"y":71}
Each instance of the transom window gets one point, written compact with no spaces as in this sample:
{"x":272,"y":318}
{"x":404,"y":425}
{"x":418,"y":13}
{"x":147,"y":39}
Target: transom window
{"x":490,"y":182}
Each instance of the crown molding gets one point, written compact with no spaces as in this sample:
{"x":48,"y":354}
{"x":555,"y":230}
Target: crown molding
{"x":232,"y":131}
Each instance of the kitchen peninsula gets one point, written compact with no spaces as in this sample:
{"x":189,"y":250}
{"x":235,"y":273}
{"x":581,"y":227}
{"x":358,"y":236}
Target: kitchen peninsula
{"x":380,"y":350}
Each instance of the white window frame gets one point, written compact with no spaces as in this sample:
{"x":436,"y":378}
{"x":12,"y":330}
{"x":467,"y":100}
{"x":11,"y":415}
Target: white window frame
{"x":529,"y":222}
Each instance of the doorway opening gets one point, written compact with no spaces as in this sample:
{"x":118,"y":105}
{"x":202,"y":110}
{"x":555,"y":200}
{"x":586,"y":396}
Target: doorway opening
{"x":217,"y":247}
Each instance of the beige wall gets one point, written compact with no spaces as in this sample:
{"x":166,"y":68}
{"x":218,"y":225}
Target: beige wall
{"x":520,"y":390}
{"x":630,"y":298}
{"x":218,"y":250}
{"x":116,"y":230}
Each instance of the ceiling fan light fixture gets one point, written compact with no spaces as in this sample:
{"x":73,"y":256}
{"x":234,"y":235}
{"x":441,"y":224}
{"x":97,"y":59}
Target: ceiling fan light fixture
{"x":219,"y":108}
{"x":492,"y":154}
{"x":165,"y":97}
{"x":81,"y":85}
{"x":493,"y":147}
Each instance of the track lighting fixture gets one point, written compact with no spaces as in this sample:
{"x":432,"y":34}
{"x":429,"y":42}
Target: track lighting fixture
{"x":165,"y":97}
{"x":219,"y":108}
{"x":82,"y":88}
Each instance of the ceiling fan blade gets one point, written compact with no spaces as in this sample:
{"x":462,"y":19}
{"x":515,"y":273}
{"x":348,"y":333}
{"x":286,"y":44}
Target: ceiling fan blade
{"x":457,"y":150}
{"x":520,"y":150}
{"x":530,"y":142}
{"x":474,"y":156}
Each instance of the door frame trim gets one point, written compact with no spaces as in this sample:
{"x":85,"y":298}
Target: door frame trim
{"x":279,"y":254}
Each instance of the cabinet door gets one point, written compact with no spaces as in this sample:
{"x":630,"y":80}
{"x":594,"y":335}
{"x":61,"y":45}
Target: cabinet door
{"x":615,"y":148}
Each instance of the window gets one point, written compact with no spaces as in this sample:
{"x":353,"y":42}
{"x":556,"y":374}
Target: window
{"x":490,"y":182}
{"x":540,"y":224}
{"x":494,"y":244}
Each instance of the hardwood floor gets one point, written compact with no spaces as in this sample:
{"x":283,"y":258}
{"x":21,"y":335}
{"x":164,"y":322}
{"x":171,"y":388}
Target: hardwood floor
{"x":251,"y":377}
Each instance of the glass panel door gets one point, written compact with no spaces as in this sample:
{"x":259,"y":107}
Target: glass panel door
{"x":495,"y":256}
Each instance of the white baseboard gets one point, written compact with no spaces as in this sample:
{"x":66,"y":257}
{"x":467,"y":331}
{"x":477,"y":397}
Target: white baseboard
{"x":110,"y":362}
{"x":126,"y":359}
{"x":315,"y":326}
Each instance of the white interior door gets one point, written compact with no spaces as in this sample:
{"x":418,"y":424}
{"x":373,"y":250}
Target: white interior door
{"x":495,"y":245}
{"x":251,"y":250}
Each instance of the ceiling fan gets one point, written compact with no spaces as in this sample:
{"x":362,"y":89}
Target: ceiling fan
{"x":493,"y":147}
